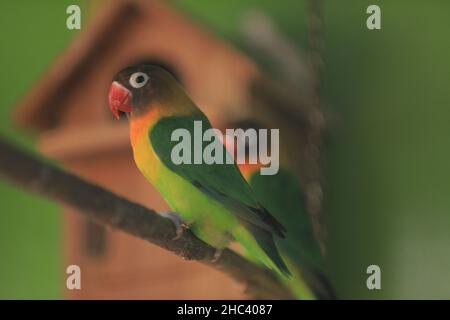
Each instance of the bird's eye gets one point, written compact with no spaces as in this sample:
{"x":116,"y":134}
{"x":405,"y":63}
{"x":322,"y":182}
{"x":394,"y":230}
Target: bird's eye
{"x":138,"y":79}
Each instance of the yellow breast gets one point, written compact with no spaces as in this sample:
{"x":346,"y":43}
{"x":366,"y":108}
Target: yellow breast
{"x":144,"y":155}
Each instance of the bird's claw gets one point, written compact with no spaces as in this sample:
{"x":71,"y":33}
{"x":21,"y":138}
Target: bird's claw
{"x":217,"y":255}
{"x":180,"y":225}
{"x":180,"y":230}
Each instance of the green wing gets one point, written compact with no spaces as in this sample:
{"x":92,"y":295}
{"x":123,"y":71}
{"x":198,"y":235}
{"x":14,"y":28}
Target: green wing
{"x":281,"y":194}
{"x":222,"y":182}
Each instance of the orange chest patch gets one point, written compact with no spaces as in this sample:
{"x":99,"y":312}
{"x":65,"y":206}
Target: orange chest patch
{"x":140,"y":126}
{"x":248,"y":169}
{"x":144,"y":155}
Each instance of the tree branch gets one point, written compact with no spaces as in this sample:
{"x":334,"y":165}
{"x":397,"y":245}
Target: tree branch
{"x":106,"y":208}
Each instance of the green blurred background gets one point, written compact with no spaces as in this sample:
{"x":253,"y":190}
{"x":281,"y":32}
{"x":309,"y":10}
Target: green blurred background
{"x":386,"y":178}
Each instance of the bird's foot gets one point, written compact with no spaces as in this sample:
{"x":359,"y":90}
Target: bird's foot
{"x":217,"y":255}
{"x":180,"y":225}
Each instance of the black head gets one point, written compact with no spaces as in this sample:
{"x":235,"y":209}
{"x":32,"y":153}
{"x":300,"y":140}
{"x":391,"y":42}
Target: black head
{"x":134,"y":87}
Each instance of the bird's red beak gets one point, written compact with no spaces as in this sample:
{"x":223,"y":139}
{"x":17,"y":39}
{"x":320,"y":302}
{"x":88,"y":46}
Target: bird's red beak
{"x":119,"y":99}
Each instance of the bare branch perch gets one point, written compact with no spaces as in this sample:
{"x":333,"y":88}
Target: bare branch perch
{"x":106,"y":208}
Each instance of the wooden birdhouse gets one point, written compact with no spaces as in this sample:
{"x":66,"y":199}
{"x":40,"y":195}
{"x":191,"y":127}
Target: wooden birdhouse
{"x":68,"y":110}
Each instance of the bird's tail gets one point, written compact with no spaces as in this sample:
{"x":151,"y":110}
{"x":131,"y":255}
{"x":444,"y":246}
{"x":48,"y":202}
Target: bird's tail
{"x":297,"y":284}
{"x":260,"y":246}
{"x":319,"y":284}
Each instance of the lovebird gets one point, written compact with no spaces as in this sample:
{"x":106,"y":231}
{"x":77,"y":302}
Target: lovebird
{"x":282,"y":196}
{"x":213,"y":200}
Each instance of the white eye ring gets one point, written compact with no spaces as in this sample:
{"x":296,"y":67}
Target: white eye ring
{"x":138,"y":79}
